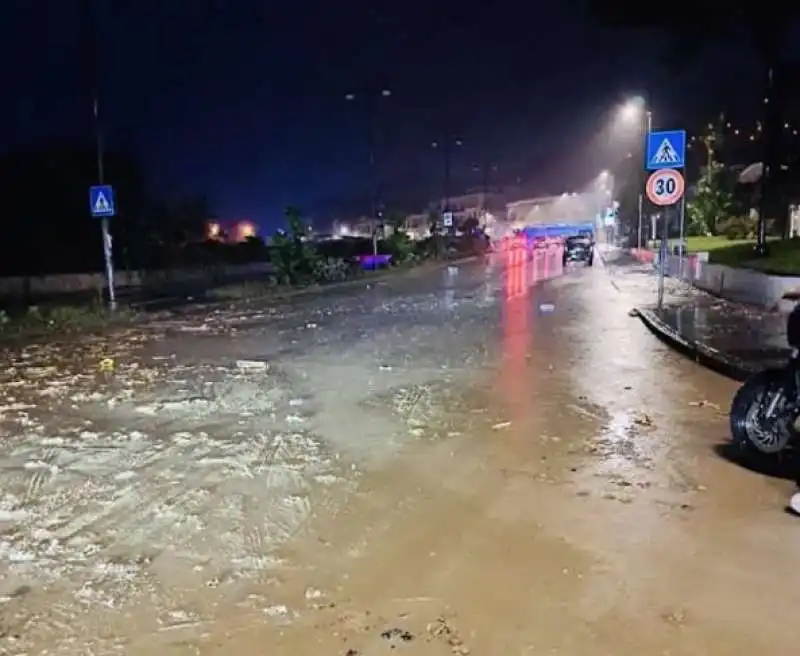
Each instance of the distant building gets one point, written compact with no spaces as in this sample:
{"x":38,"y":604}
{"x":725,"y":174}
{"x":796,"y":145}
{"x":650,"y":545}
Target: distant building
{"x":360,"y":226}
{"x":566,"y":208}
{"x":230,"y":233}
{"x":470,"y":206}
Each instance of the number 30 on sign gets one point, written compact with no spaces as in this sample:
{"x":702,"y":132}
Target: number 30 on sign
{"x":665,"y":187}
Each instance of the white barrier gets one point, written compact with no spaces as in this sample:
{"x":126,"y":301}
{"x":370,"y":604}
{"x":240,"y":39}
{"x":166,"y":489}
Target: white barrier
{"x":734,"y":284}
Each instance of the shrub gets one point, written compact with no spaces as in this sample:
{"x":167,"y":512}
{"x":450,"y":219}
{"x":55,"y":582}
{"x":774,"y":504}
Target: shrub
{"x":399,"y":246}
{"x":292,"y":256}
{"x":331,"y":269}
{"x":738,"y":227}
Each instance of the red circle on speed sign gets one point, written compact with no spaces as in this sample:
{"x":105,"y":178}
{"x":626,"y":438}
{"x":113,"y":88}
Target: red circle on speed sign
{"x":665,"y":187}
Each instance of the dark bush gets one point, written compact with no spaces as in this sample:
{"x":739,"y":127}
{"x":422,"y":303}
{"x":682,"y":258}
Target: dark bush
{"x":737,"y":227}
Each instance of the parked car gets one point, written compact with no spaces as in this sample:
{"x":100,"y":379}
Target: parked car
{"x":579,"y":249}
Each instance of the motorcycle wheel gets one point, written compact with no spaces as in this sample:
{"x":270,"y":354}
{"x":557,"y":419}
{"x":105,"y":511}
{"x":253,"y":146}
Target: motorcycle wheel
{"x":749,"y":403}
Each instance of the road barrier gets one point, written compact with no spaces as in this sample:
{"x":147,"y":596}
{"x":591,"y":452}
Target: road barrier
{"x":732,"y":283}
{"x":528,"y":263}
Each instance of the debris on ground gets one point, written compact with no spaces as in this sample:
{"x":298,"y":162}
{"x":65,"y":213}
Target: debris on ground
{"x":705,"y":404}
{"x":443,"y":631}
{"x":397,"y":635}
{"x":251,"y":365}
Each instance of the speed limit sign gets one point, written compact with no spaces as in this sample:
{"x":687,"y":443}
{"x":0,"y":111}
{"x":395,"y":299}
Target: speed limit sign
{"x":665,"y":187}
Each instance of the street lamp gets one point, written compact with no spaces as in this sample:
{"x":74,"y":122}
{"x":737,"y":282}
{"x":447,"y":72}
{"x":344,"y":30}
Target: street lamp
{"x":633,"y":111}
{"x":350,"y":97}
{"x":447,"y":147}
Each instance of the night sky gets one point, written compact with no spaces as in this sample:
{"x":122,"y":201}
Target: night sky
{"x":244,"y":100}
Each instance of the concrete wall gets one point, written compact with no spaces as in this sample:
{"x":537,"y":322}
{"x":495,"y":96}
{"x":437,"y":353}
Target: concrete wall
{"x":740,"y":285}
{"x":21,"y":286}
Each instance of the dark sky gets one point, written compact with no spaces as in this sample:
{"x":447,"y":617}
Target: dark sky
{"x":244,"y":100}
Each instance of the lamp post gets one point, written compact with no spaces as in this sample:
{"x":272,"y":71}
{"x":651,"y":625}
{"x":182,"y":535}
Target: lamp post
{"x":486,"y":170}
{"x":90,"y":36}
{"x":447,"y":145}
{"x":370,"y":97}
{"x":633,"y":111}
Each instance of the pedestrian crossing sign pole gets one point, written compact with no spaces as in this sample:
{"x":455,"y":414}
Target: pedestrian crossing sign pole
{"x":666,"y":149}
{"x":102,"y":206}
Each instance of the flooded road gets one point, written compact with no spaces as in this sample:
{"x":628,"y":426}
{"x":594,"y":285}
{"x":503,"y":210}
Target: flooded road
{"x":462,"y":461}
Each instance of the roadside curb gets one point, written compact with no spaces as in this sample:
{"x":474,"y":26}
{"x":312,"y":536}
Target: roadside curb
{"x":345,"y":284}
{"x":712,"y":359}
{"x":379,"y":277}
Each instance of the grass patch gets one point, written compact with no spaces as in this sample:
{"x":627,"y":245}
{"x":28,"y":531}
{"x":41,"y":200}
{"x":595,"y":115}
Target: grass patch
{"x":262,"y":289}
{"x":60,"y":319}
{"x":703,"y":244}
{"x":783,"y":258}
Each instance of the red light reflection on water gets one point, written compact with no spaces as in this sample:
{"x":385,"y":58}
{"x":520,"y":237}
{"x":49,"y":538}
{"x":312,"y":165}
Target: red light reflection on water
{"x":525,"y":266}
{"x":520,"y":273}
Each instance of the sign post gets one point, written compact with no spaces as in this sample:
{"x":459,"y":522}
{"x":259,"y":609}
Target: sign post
{"x":663,"y":252}
{"x":101,"y":206}
{"x":666,"y":154}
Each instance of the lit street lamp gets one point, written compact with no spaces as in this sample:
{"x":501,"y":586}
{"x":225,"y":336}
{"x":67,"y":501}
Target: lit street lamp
{"x":633,"y":111}
{"x":374,"y":203}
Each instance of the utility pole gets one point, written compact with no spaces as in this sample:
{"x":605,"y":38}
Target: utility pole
{"x":486,"y":171}
{"x":648,"y":130}
{"x":771,"y":149}
{"x":94,"y":86}
{"x":447,"y":150}
{"x":372,"y":96}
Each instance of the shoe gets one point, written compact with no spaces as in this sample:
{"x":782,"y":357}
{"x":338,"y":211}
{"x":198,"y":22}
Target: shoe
{"x":794,"y":503}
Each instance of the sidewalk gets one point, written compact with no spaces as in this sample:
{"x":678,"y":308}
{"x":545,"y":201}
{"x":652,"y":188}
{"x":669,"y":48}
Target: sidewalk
{"x":733,"y":339}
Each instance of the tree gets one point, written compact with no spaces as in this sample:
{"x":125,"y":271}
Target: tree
{"x":60,"y":236}
{"x":396,"y":219}
{"x":692,"y":26}
{"x":290,"y":253}
{"x":252,"y":249}
{"x":713,"y":201}
{"x":45,"y":188}
{"x":470,"y":225}
{"x":435,"y":223}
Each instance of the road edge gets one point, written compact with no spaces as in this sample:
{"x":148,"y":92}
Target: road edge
{"x":716,"y":361}
{"x":288,"y":294}
{"x":379,"y":277}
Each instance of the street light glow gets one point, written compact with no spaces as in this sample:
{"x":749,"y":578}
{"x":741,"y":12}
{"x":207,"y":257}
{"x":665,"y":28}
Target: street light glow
{"x":632,"y":110}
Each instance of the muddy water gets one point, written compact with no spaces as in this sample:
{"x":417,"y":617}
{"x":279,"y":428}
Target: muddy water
{"x":581,"y":511}
{"x":566,"y":500}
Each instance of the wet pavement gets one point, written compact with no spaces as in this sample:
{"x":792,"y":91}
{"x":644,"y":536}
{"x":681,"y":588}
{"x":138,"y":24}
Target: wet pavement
{"x":742,"y":338}
{"x":467,"y":461}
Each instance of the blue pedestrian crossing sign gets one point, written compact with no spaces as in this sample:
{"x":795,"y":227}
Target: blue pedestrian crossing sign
{"x":101,"y":201}
{"x":666,"y":150}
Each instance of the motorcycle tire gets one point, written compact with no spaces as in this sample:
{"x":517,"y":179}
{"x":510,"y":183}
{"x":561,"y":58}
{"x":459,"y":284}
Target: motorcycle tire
{"x":744,"y":428}
{"x":590,"y":261}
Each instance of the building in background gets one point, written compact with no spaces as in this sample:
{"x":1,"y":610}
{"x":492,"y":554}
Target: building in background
{"x":213,"y":231}
{"x":360,"y":226}
{"x":476,"y":205}
{"x":566,"y":208}
{"x":418,"y":226}
{"x":230,"y":233}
